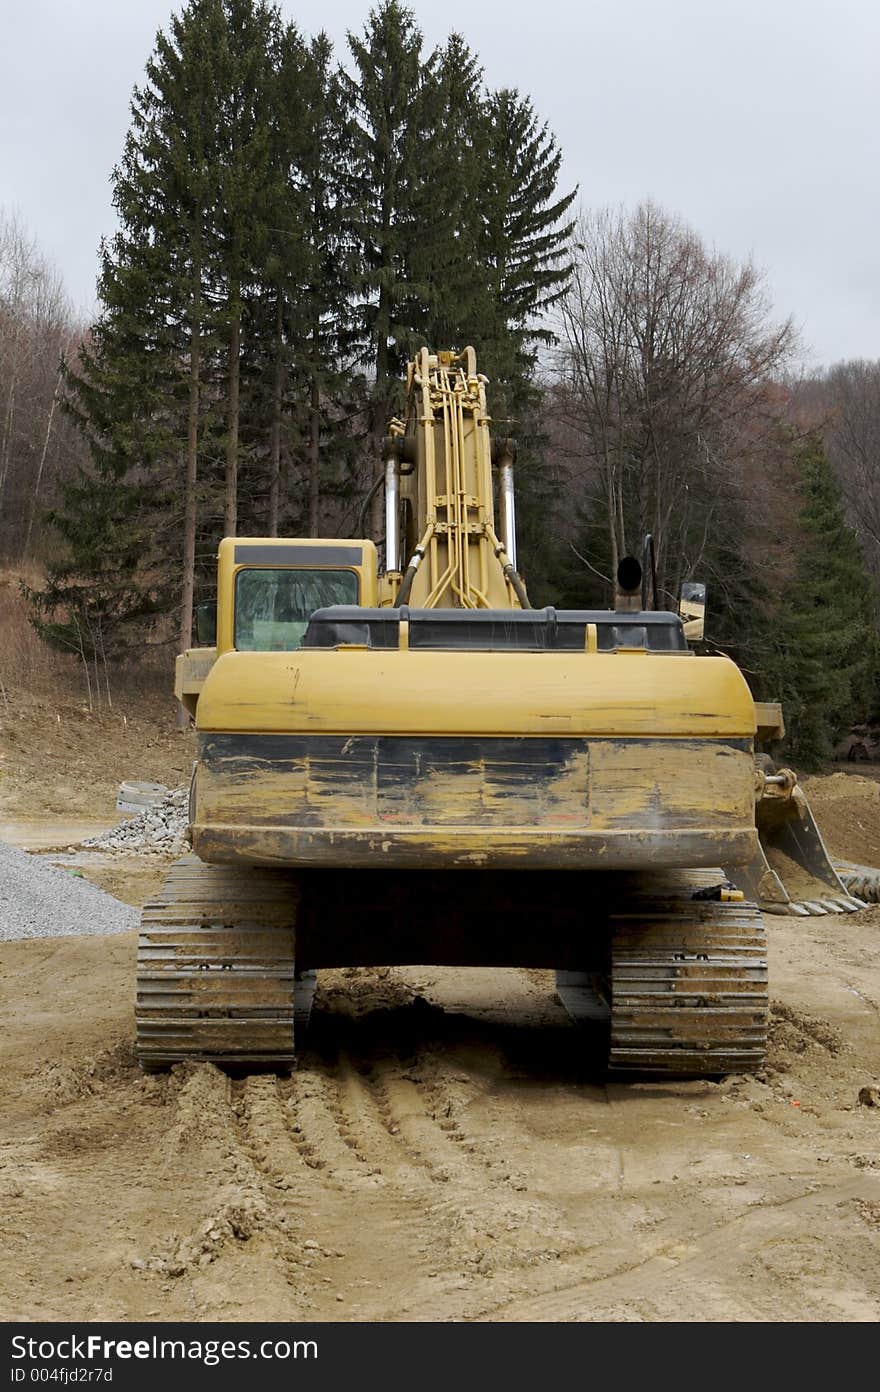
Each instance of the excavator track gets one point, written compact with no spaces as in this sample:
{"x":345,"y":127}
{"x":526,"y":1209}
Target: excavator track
{"x":686,"y":990}
{"x":217,"y":978}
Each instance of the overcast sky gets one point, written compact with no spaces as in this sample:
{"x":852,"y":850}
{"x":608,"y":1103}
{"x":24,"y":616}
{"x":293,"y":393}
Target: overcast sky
{"x":756,"y":121}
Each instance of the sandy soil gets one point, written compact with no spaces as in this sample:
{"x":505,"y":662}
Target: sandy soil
{"x":448,"y":1149}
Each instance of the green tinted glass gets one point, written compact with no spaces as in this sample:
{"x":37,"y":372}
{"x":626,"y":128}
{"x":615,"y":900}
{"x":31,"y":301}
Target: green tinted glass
{"x":273,"y":607}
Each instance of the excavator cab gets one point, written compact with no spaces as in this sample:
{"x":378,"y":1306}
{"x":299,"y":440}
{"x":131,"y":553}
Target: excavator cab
{"x":273,"y":605}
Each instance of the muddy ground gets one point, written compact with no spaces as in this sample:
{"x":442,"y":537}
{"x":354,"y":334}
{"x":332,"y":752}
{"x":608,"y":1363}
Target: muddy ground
{"x":449,"y":1148}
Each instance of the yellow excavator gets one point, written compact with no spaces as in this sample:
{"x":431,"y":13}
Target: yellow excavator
{"x":418,"y":767}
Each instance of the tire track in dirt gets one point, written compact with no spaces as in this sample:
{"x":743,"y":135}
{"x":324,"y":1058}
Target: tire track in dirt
{"x":312,"y":1114}
{"x":366,"y":1127}
{"x":238,"y":1207}
{"x":710,"y":1275}
{"x":362,"y":1144}
{"x":331,"y":1160}
{"x":399,"y":1100}
{"x":482,"y":1223}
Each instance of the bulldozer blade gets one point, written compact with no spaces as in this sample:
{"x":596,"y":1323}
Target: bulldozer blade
{"x":792,"y":872}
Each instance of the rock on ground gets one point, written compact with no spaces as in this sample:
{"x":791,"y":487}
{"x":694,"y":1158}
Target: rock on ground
{"x":161,"y":828}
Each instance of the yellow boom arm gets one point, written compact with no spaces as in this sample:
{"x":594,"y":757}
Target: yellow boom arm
{"x":440,"y":504}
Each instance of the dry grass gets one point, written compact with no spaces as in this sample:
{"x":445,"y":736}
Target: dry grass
{"x":32,"y":672}
{"x":62,"y":754}
{"x":27,"y":665}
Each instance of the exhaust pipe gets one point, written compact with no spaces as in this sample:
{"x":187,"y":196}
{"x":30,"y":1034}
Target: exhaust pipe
{"x":504,"y":453}
{"x":508,"y":508}
{"x":628,"y":591}
{"x":392,"y":512}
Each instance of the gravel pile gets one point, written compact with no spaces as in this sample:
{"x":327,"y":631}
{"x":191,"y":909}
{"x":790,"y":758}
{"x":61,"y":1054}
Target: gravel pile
{"x":39,"y":900}
{"x":161,"y":828}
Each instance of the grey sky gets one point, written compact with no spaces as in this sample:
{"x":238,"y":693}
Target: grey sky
{"x":756,"y":121}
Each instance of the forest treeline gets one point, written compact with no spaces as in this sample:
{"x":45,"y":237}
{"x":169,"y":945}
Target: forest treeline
{"x":292,"y":226}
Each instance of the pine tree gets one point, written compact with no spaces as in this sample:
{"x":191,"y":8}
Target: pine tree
{"x":245,"y":75}
{"x":390,"y":76}
{"x":826,"y":651}
{"x":288,"y":236}
{"x":274,"y":322}
{"x":329,"y":393}
{"x":96,"y":602}
{"x":524,"y":240}
{"x":137,"y":395}
{"x":196,"y":192}
{"x":164,"y":188}
{"x":134,"y":396}
{"x":452,"y":304}
{"x":105,"y":593}
{"x":526,"y":268}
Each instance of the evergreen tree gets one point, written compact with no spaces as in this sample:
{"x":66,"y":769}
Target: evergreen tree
{"x":524,"y":242}
{"x":193,"y":192}
{"x":330,"y":393}
{"x":452,"y":304}
{"x":273,"y":321}
{"x":825,"y":663}
{"x":526,"y":268}
{"x":99,"y":602}
{"x":385,"y":154}
{"x":136,"y":394}
{"x":164,"y":193}
{"x":246,"y":195}
{"x":288,"y":236}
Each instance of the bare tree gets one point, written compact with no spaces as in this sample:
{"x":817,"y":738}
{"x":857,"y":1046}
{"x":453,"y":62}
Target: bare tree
{"x":19,"y":273}
{"x":852,"y":432}
{"x":37,"y":328}
{"x":667,"y":351}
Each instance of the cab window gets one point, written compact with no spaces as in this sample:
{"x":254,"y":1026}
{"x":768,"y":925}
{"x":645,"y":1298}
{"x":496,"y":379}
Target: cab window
{"x":273,"y":607}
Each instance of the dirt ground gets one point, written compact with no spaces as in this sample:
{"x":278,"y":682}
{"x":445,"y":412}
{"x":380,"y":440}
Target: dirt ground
{"x":60,"y":761}
{"x":846,"y":806}
{"x":448,"y":1149}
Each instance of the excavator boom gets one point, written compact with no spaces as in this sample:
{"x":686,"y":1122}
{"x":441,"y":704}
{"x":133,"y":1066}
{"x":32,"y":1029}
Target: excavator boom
{"x":440,"y":498}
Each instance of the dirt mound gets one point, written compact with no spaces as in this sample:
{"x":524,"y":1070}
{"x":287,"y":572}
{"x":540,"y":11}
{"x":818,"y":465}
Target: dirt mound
{"x":60,"y":1082}
{"x":792,"y":1033}
{"x":203,"y":1133}
{"x":57,"y":758}
{"x":852,"y":788}
{"x":847,"y":811}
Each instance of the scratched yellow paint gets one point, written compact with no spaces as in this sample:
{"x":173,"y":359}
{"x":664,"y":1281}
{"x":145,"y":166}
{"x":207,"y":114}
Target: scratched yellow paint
{"x":287,"y":791}
{"x":674,"y":785}
{"x":190,"y":670}
{"x":615,"y":787}
{"x":613,"y":803}
{"x":501,"y":693}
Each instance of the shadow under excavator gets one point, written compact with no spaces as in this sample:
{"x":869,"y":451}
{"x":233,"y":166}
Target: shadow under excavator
{"x":532,"y":1043}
